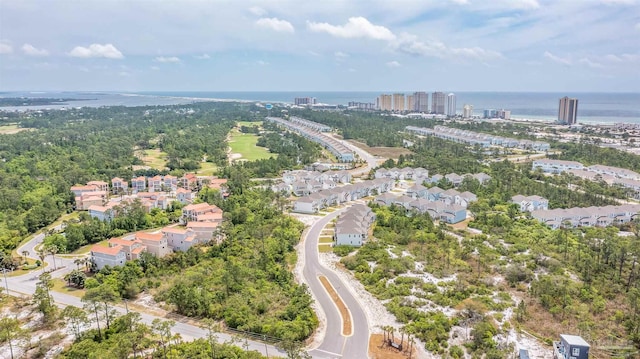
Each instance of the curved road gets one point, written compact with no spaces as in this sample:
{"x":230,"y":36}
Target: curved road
{"x":334,"y":344}
{"x":370,"y":160}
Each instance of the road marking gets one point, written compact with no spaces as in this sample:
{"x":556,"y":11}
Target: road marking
{"x":331,"y":353}
{"x":338,"y":302}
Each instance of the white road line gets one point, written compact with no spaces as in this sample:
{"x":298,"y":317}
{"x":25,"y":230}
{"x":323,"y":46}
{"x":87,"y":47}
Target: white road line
{"x":331,"y":353}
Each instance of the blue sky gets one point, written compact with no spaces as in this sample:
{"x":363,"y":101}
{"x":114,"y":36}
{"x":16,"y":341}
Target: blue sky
{"x":331,"y":45}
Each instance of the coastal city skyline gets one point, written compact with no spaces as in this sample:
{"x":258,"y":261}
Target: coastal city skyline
{"x":524,"y":45}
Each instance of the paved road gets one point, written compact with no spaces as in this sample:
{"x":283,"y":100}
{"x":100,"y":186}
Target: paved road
{"x":26,"y":284}
{"x":370,"y":160}
{"x":334,"y":345}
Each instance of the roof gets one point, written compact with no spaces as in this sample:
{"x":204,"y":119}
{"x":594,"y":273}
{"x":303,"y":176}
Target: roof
{"x":112,"y":251}
{"x":139,"y":250}
{"x":210,"y":217}
{"x":121,"y":242}
{"x":174,"y":230}
{"x":202,"y":225}
{"x":155,"y":237}
{"x":97,"y":183}
{"x":199,"y":206}
{"x":574,"y":340}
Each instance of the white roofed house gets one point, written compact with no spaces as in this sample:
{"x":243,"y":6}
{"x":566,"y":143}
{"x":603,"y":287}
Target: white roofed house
{"x":382,"y":173}
{"x":433,"y":193}
{"x":170,"y":182}
{"x":139,"y":184}
{"x":204,"y":231}
{"x":179,"y":239}
{"x":301,"y":188}
{"x":465,"y":198}
{"x":102,"y":256}
{"x":448,"y":196}
{"x":482,"y":177}
{"x":530,"y":203}
{"x":156,"y":184}
{"x":80,"y":190}
{"x":614,"y":171}
{"x":103,"y":213}
{"x":555,"y":166}
{"x":306,"y":205}
{"x":406,"y":173}
{"x":418,"y":191}
{"x":352,"y":226}
{"x":454,"y":178}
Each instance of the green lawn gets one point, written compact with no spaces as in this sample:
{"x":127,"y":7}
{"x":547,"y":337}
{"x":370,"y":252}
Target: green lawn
{"x":326,"y":239}
{"x":244,"y":144}
{"x":154,"y":158}
{"x":324,"y":248}
{"x":60,"y":285}
{"x":250,"y":123}
{"x":12,"y":128}
{"x":207,"y":169}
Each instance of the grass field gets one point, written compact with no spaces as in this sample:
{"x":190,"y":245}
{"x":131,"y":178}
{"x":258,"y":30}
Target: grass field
{"x":386,"y":152}
{"x":11,"y":129}
{"x":250,"y":123}
{"x":324,"y":248}
{"x":244,"y":145}
{"x":325,"y":239}
{"x":154,"y":158}
{"x":207,"y":169}
{"x":60,"y":285}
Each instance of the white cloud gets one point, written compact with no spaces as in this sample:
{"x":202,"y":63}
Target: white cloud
{"x":313,"y":53}
{"x":202,"y":57}
{"x":351,"y":70}
{"x":356,"y":27}
{"x":155,"y":68}
{"x":275,"y":24}
{"x":169,"y":59}
{"x":618,"y":2}
{"x":477,"y":53}
{"x":257,"y":11}
{"x":393,"y":64}
{"x":460,"y":2}
{"x":638,"y":26}
{"x":124,"y":74}
{"x":557,"y":59}
{"x":262,"y":63}
{"x":592,"y":64}
{"x":28,"y":49}
{"x":340,"y":55}
{"x":96,"y":50}
{"x":411,"y":45}
{"x":5,"y":48}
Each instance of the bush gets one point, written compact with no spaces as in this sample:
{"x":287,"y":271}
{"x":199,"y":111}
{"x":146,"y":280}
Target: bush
{"x":343,"y":250}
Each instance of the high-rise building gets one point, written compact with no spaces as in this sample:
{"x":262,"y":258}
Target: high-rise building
{"x":384,"y":103}
{"x":304,"y":101}
{"x":467,"y":111}
{"x":398,"y":102}
{"x":451,"y":105}
{"x":421,"y":102}
{"x":504,"y":114}
{"x":411,"y":103}
{"x":438,"y":103}
{"x":568,"y":111}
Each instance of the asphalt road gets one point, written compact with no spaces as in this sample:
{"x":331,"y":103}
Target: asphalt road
{"x":334,"y":344}
{"x":25,"y":285}
{"x":371,"y":160}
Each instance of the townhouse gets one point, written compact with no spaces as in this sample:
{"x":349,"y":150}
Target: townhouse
{"x":555,"y":166}
{"x":102,"y":256}
{"x":195,"y":212}
{"x":407,"y":173}
{"x":132,"y":249}
{"x":530,"y":203}
{"x":139,"y":184}
{"x":438,"y":210}
{"x":352,"y":227}
{"x":477,"y":138}
{"x":155,"y":243}
{"x":342,"y":153}
{"x":587,"y":216}
{"x":317,"y":201}
{"x":119,"y":186}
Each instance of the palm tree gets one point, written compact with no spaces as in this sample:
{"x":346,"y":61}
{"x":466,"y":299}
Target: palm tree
{"x":41,"y":255}
{"x":78,"y":262}
{"x":25,"y":254}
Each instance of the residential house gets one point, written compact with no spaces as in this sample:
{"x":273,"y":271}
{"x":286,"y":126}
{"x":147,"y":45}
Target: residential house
{"x":156,"y":184}
{"x":102,"y":213}
{"x":530,"y":203}
{"x":185,"y":196}
{"x":417,"y":191}
{"x":203,"y":231}
{"x":482,"y":177}
{"x":555,"y":166}
{"x":170,"y":182}
{"x":139,"y":184}
{"x":306,"y":205}
{"x":352,"y":227}
{"x":189,"y":181}
{"x":79,"y":190}
{"x":180,"y":239}
{"x":465,"y":198}
{"x":119,"y":186}
{"x":101,"y":185}
{"x":433,"y":193}
{"x":132,"y":249}
{"x":454,"y":179}
{"x":88,"y":199}
{"x":571,"y":347}
{"x":193,"y":212}
{"x":614,"y":171}
{"x":155,"y":243}
{"x":102,"y":256}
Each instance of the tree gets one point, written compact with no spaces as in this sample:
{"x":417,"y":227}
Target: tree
{"x":212,"y":328}
{"x":104,"y":294}
{"x":52,"y":250}
{"x":10,"y":332}
{"x":294,"y":350}
{"x":162,"y":330}
{"x":76,"y":318}
{"x":42,"y":298}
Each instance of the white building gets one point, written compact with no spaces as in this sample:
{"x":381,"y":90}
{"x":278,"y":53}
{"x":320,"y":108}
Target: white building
{"x":451,"y":105}
{"x":555,"y":166}
{"x":102,"y":256}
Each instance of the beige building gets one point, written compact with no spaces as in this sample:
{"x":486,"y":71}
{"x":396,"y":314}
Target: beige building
{"x":384,"y":103}
{"x":467,"y":111}
{"x":421,"y":102}
{"x":398,"y":102}
{"x":568,"y":111}
{"x":411,"y":103}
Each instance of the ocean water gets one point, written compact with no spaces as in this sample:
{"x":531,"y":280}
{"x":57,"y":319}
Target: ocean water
{"x":592,"y":107}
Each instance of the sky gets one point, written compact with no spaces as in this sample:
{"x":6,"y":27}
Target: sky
{"x":314,"y":45}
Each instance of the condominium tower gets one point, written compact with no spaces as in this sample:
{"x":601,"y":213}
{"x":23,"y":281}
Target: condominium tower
{"x":467,"y":111}
{"x":384,"y":103}
{"x":438,"y":103}
{"x":411,"y":103}
{"x":451,"y":105}
{"x":568,"y":111}
{"x":398,"y":102}
{"x":421,"y":102}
